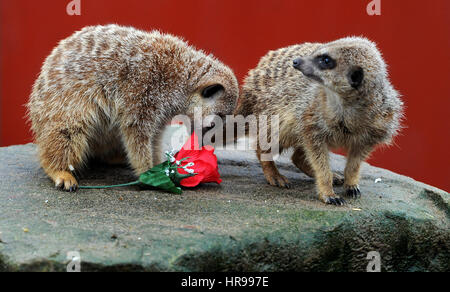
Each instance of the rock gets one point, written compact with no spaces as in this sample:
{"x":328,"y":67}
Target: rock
{"x":242,"y":225}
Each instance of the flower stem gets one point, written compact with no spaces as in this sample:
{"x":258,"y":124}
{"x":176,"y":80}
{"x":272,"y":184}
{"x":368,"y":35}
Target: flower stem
{"x":113,"y":186}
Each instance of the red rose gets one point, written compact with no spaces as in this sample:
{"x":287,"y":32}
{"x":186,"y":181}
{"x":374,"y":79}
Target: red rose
{"x":202,"y":161}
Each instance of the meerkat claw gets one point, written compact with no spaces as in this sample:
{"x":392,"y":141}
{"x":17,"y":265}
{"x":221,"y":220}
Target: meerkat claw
{"x":65,"y":181}
{"x":284,"y":185}
{"x":353,"y":192}
{"x":335,"y":201}
{"x":279,"y":181}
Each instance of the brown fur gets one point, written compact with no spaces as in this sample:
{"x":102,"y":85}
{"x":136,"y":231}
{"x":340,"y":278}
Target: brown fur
{"x":323,"y":110}
{"x":108,"y":92}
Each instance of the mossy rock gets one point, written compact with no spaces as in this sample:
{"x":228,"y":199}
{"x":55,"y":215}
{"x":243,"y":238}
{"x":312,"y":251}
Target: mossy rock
{"x":241,"y":225}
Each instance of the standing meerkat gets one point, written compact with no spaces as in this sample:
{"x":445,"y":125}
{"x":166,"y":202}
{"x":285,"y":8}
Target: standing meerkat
{"x":333,"y":95}
{"x":108,"y":92}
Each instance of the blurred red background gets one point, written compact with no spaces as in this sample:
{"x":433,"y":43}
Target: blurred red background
{"x":414,"y":37}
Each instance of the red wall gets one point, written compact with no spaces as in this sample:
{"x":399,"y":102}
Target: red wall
{"x":413,"y":35}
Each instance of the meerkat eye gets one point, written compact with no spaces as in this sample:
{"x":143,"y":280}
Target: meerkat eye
{"x":212,"y":91}
{"x":325,"y":62}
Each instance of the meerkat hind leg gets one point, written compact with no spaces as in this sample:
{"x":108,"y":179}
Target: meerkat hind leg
{"x":299,"y":160}
{"x":271,"y":173}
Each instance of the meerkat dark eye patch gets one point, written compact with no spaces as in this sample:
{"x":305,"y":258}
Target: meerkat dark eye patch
{"x":356,"y":77}
{"x":212,"y":91}
{"x":325,"y":62}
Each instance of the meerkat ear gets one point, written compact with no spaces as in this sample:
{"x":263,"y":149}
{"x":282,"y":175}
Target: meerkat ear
{"x":213,"y":91}
{"x":356,"y":77}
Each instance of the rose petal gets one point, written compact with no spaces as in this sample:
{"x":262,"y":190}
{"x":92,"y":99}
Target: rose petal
{"x":205,"y":163}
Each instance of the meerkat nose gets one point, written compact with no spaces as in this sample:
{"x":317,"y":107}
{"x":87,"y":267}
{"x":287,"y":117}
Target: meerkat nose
{"x":298,"y":62}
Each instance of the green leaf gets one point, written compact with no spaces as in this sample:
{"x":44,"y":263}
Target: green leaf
{"x":177,"y":177}
{"x":157,"y":177}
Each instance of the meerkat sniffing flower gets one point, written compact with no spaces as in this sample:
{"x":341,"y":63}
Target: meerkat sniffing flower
{"x":333,"y":95}
{"x":108,"y":92}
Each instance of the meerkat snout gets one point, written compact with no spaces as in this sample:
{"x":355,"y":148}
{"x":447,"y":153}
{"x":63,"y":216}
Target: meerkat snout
{"x":307,"y":68}
{"x":311,"y":66}
{"x":297,"y":63}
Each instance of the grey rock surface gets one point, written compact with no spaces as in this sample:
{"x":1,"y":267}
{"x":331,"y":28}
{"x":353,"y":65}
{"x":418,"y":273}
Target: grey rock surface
{"x":241,"y":225}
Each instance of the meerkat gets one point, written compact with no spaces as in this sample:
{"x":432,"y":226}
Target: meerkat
{"x":108,"y":92}
{"x":327,"y":96}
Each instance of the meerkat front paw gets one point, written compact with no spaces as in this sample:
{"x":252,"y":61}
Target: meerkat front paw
{"x":333,"y":200}
{"x":278,"y":180}
{"x":64,"y":180}
{"x":353,"y":191}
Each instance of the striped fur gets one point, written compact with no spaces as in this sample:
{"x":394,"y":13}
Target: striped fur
{"x":318,"y":116}
{"x":108,"y":92}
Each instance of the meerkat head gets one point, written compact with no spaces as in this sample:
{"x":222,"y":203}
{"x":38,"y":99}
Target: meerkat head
{"x":348,"y":67}
{"x":215,"y":93}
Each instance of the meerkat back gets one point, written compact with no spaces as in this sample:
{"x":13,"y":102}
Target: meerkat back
{"x":109,"y":91}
